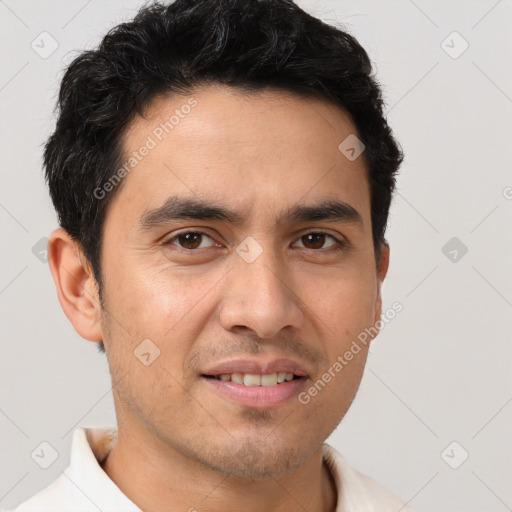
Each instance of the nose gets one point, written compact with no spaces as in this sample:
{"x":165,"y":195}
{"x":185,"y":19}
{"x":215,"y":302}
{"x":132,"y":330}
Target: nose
{"x":259,"y":296}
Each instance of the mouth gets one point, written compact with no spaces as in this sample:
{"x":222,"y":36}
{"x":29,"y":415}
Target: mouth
{"x":256,"y":384}
{"x":254,"y":379}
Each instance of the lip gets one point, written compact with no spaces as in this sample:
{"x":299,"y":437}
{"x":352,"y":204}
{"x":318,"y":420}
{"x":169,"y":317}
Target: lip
{"x":257,"y":397}
{"x":255,"y":366}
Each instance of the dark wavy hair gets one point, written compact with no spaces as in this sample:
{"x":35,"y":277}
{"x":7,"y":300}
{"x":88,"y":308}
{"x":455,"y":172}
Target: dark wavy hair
{"x":245,"y":44}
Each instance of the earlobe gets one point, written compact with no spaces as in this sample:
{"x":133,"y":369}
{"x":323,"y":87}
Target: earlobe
{"x":76,"y":287}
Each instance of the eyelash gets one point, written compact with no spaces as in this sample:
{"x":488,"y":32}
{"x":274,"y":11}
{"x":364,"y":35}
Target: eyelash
{"x":341,"y":245}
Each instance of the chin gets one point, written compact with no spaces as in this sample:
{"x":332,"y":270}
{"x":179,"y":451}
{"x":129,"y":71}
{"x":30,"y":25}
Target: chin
{"x":254,"y":459}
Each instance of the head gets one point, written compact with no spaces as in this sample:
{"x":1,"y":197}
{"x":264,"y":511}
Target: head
{"x":239,"y":113}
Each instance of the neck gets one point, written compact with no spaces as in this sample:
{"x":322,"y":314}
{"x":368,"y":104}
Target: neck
{"x":156,"y":477}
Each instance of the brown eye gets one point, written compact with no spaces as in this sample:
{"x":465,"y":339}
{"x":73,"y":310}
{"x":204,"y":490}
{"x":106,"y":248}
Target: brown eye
{"x":189,"y":240}
{"x":317,"y":240}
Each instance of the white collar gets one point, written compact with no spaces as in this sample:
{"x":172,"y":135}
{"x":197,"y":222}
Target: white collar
{"x":85,"y":487}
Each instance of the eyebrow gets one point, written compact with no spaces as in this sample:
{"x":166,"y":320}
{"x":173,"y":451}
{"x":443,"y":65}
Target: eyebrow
{"x":183,"y":208}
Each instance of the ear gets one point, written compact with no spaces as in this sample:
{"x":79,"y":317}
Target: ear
{"x":77,"y":289}
{"x":382,"y":270}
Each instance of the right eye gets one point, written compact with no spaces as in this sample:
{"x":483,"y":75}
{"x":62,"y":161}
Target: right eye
{"x":189,"y":240}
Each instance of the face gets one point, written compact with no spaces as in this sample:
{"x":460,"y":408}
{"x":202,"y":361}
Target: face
{"x":218,"y":259}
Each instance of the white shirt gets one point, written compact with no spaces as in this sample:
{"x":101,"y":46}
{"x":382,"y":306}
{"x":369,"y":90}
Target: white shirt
{"x":85,"y":487}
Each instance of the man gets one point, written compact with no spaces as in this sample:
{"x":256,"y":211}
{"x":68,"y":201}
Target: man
{"x":222,"y":172}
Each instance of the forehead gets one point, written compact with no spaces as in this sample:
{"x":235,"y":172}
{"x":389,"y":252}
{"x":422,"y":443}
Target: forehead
{"x":238,"y":148}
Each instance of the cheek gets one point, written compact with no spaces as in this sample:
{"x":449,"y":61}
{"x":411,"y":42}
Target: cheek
{"x":173,"y":297}
{"x":170,"y":307}
{"x":345,"y":305}
{"x":331,"y":393}
{"x":342,"y":311}
{"x":155,"y":298}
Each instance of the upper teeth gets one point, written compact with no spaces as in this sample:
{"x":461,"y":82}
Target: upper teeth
{"x":251,"y":379}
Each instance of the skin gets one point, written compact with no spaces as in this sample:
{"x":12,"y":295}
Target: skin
{"x":182,"y":445}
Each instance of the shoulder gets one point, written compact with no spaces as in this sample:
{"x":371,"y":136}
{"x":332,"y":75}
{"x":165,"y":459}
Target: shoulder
{"x":357,"y":491}
{"x":83,"y":486}
{"x":54,"y":495}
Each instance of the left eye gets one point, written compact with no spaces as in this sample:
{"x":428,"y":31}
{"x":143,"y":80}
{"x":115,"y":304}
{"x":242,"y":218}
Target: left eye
{"x":317,"y":240}
{"x":192,"y":240}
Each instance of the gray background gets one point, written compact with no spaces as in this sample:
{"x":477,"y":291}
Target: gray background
{"x":438,"y":373}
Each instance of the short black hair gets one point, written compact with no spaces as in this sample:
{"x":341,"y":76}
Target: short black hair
{"x":245,"y":44}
